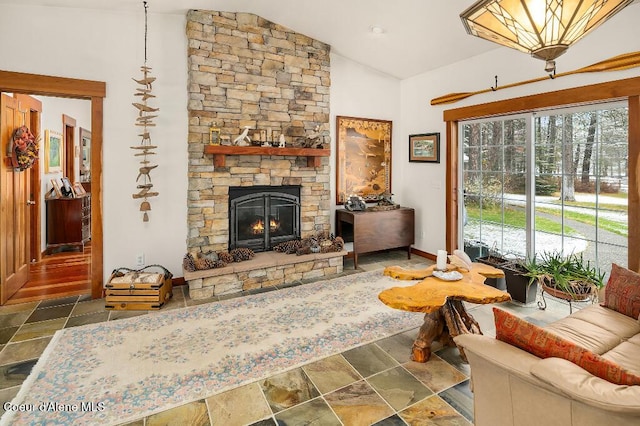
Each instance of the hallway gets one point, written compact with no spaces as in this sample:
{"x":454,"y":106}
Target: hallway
{"x":57,"y":275}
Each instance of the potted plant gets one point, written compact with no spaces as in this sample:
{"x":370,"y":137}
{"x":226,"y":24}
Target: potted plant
{"x":566,"y":277}
{"x":495,"y":259}
{"x":518,"y":283}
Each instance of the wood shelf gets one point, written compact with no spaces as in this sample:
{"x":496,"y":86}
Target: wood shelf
{"x":221,"y":151}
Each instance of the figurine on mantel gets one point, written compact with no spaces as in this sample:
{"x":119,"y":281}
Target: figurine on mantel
{"x":266,"y":144}
{"x":281,"y":142}
{"x":316,"y":138}
{"x":243,"y":139}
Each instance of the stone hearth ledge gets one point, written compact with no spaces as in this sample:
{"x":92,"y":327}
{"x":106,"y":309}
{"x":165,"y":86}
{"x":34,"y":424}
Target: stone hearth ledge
{"x":266,"y":269}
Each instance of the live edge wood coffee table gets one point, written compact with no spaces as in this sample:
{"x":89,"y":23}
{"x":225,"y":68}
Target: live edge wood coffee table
{"x":441,"y":301}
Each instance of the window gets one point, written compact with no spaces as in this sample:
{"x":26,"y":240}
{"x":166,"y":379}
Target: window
{"x":553,"y":180}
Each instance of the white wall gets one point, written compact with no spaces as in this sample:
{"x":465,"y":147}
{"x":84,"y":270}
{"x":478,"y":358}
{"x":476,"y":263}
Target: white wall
{"x":359,"y":91}
{"x":423,"y":185}
{"x":51,"y":119}
{"x":109,"y":46}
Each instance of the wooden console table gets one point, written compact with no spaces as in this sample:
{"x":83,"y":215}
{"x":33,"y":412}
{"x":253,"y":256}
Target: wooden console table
{"x":376,"y":230}
{"x":68,"y":222}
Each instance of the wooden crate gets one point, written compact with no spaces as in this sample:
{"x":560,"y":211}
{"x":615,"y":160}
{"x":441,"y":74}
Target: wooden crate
{"x":137,"y":291}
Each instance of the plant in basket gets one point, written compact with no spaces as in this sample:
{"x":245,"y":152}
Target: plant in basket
{"x":567,"y":277}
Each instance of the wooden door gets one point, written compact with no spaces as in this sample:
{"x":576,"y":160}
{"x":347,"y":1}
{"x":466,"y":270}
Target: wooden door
{"x":14,"y":207}
{"x":34,"y":107}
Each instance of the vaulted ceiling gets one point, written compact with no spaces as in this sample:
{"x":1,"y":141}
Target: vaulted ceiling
{"x":416,"y":35}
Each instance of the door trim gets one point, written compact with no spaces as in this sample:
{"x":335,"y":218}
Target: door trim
{"x":95,"y":91}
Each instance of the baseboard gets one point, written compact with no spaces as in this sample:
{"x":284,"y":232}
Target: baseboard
{"x":423,"y":254}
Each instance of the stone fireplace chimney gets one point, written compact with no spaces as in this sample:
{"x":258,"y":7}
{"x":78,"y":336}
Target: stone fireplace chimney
{"x":247,"y":71}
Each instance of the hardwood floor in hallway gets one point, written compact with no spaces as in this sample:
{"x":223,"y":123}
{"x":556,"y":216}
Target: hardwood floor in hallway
{"x":57,"y":275}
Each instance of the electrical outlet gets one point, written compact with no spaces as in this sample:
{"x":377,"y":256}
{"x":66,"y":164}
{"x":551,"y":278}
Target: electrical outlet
{"x":140,"y":259}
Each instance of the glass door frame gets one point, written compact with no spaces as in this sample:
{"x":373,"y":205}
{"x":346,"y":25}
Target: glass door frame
{"x":530,"y":159}
{"x":625,"y":90}
{"x":529,"y":183}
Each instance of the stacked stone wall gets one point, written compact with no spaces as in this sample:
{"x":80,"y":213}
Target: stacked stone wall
{"x":247,"y":71}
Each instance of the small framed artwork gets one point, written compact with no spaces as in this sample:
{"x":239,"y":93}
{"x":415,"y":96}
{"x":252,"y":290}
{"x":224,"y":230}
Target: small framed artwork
{"x":66,"y":188}
{"x":78,"y":189}
{"x":53,"y":151}
{"x":424,"y":148}
{"x":55,"y":187}
{"x":214,"y":135}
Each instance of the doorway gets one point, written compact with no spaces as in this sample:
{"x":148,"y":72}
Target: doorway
{"x":60,"y":266}
{"x":94,"y":91}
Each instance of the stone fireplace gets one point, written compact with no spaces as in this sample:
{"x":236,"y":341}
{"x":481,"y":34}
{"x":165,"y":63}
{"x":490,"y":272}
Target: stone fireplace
{"x":247,"y":71}
{"x":262,"y":216}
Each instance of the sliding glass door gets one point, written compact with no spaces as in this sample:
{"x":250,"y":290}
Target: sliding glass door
{"x":549,"y":181}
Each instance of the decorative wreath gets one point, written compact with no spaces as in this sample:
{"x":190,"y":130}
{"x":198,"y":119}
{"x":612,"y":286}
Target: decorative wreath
{"x":25,"y":148}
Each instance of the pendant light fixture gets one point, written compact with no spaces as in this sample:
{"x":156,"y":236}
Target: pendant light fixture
{"x":543,"y":28}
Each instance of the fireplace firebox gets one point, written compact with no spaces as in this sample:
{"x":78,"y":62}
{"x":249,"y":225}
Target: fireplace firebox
{"x":262,"y":216}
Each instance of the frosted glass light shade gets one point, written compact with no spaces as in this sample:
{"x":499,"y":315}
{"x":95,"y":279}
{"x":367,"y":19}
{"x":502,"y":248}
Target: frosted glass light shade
{"x":543,"y":28}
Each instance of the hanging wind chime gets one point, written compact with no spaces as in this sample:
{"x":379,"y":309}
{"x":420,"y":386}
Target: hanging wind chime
{"x":145,"y":120}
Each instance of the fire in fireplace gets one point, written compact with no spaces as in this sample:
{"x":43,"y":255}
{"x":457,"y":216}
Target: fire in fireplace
{"x":251,"y":208}
{"x":258,"y":226}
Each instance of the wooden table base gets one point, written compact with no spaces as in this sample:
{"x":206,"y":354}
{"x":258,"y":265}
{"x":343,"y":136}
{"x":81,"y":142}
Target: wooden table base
{"x":442,"y":302}
{"x":442,"y":325}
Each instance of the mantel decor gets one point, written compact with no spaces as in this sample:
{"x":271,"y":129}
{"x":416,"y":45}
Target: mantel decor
{"x":146,"y":114}
{"x":363,"y":158}
{"x":424,"y":148}
{"x":220,"y":152}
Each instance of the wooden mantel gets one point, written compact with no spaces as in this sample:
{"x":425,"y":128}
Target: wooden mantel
{"x":221,"y":151}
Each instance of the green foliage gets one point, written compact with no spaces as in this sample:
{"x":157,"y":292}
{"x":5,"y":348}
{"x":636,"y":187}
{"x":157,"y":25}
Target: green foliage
{"x":547,"y":185}
{"x":516,"y":218}
{"x":613,"y":226}
{"x":571,"y":274}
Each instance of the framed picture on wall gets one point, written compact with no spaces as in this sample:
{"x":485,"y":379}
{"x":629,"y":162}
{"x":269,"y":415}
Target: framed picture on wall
{"x":363,"y":158}
{"x":53,"y":151}
{"x":424,"y":148}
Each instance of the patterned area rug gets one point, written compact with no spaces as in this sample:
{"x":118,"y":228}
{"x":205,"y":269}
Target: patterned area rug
{"x":117,"y":371}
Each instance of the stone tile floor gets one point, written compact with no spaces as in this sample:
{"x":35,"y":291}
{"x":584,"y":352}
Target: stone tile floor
{"x":373,"y":384}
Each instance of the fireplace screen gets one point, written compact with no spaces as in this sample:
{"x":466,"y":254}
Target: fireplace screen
{"x":263,"y":216}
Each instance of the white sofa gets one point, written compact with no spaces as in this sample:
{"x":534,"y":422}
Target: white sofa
{"x":514,"y":387}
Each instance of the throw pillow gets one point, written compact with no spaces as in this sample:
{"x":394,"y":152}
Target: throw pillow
{"x":622,"y":293}
{"x":543,"y":344}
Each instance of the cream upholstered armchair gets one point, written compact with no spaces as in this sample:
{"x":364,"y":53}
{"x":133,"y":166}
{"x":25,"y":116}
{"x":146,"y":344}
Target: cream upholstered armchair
{"x":581,"y":370}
